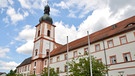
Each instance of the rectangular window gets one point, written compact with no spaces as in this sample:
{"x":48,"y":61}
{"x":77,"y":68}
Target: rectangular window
{"x":25,"y":68}
{"x":113,"y":59}
{"x":127,"y":57}
{"x":65,"y":56}
{"x":51,"y":60}
{"x":123,"y":39}
{"x":28,"y":67}
{"x":97,"y":47}
{"x":58,"y":58}
{"x":110,"y":43}
{"x":57,"y":70}
{"x":85,"y":51}
{"x":75,"y":54}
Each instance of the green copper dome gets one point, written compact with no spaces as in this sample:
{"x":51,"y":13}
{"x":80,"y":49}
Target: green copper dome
{"x":46,"y":16}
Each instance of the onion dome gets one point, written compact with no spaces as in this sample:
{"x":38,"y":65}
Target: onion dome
{"x":46,"y":16}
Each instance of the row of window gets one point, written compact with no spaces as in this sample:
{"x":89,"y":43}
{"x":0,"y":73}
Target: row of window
{"x":113,"y":59}
{"x":48,"y":33}
{"x":110,"y":43}
{"x":65,"y":69}
{"x":58,"y":57}
{"x":126,"y":57}
{"x":24,"y":68}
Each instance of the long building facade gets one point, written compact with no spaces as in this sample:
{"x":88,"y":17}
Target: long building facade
{"x":114,"y":46}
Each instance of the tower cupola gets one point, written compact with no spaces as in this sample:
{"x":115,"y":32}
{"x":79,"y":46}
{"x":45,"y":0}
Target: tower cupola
{"x":46,"y":16}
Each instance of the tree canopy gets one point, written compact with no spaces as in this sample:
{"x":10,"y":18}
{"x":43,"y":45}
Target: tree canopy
{"x":52,"y":72}
{"x":11,"y":73}
{"x":81,"y":67}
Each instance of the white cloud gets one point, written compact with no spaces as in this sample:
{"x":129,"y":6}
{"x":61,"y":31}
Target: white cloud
{"x":37,"y":4}
{"x":3,"y":52}
{"x":27,"y":35}
{"x":15,"y":16}
{"x":62,"y":31}
{"x":6,"y":3}
{"x":26,"y":48}
{"x":79,"y":8}
{"x":30,"y":4}
{"x":93,"y":23}
{"x":54,"y":12}
{"x":6,"y":66}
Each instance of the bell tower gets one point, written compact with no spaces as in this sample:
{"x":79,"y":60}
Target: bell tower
{"x":44,"y":40}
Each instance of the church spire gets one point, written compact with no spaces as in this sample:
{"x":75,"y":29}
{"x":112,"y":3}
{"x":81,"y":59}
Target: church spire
{"x":47,"y":10}
{"x":46,"y":16}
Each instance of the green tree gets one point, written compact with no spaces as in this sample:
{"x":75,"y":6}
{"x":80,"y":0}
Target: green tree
{"x":52,"y":72}
{"x":81,"y":67}
{"x":11,"y":73}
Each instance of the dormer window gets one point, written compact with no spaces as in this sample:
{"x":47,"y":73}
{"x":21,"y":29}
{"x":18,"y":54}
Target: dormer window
{"x":130,"y":24}
{"x":114,"y":26}
{"x":48,"y":33}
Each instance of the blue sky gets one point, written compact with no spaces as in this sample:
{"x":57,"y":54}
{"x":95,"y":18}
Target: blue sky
{"x":72,"y":18}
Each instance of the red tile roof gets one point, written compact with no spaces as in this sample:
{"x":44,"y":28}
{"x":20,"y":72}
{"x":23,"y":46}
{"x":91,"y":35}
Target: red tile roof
{"x":113,"y":30}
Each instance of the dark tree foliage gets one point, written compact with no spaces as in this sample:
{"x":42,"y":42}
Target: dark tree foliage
{"x":11,"y":73}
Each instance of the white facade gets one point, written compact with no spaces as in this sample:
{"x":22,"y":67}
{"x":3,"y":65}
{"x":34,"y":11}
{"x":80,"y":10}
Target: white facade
{"x":118,"y":50}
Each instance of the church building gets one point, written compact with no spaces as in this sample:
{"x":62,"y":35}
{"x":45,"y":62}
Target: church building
{"x":113,"y":45}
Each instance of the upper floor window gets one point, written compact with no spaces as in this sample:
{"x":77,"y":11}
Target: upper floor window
{"x":97,"y":47}
{"x":65,"y":57}
{"x":38,"y":33}
{"x":26,"y":68}
{"x":130,"y":24}
{"x":85,"y":51}
{"x":110,"y":43}
{"x":75,"y":54}
{"x":127,"y":57}
{"x":48,"y":33}
{"x":57,"y":70}
{"x":113,"y":59}
{"x":58,"y":58}
{"x":123,"y":39}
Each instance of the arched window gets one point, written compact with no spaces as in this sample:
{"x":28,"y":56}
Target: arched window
{"x":48,"y":33}
{"x":38,"y":33}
